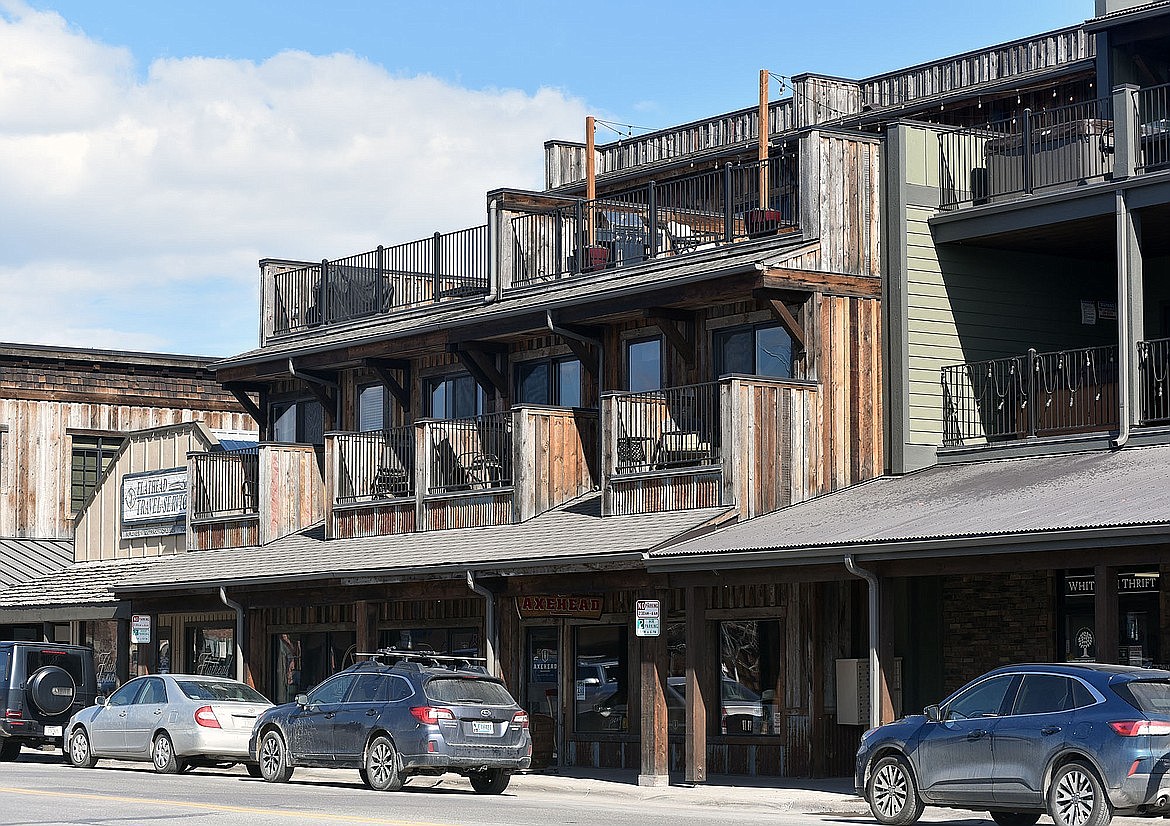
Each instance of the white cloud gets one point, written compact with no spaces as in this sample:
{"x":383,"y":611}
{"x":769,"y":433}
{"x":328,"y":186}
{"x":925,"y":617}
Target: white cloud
{"x":124,"y":192}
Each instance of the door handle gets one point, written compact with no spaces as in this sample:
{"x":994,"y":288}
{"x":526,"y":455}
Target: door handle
{"x":373,"y":712}
{"x":1048,"y":730}
{"x":330,"y":715}
{"x":977,"y":734}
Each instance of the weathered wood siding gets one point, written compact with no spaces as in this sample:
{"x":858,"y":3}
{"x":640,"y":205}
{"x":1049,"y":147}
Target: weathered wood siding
{"x":839,"y":201}
{"x":651,"y":493}
{"x":98,"y":526}
{"x":467,"y":510}
{"x":213,"y":534}
{"x":292,"y":489}
{"x":381,"y":519}
{"x":554,"y":457}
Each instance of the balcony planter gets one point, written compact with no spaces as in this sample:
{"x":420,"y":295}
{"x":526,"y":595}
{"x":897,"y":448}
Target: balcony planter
{"x":760,"y":222}
{"x":593,"y":258}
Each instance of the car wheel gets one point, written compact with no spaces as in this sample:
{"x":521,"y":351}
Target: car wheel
{"x":80,"y":753}
{"x":274,"y":762}
{"x":492,"y":781}
{"x":9,"y":751}
{"x":893,"y":795}
{"x":382,"y":773}
{"x":1015,"y":818}
{"x":162,"y":754}
{"x":253,"y":769}
{"x":1077,"y":798}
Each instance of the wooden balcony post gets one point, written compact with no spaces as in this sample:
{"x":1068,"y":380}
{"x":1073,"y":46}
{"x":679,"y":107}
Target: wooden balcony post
{"x":332,"y":469}
{"x":609,"y":436}
{"x":733,"y":422}
{"x":422,"y":470}
{"x":1126,"y":132}
{"x":1026,"y":150}
{"x":523,"y":457}
{"x":652,"y":683}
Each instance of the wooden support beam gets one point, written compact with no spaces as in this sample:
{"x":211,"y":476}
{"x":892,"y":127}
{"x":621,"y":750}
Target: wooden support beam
{"x":680,"y":334}
{"x":399,"y":390}
{"x":254,"y":409}
{"x":324,"y":394}
{"x":1105,"y":614}
{"x":855,"y":286}
{"x":481,"y":368}
{"x":696,"y":667}
{"x":787,"y":320}
{"x":652,"y":679}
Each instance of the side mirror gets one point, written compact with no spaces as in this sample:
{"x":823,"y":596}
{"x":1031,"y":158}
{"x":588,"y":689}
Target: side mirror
{"x":101,"y":700}
{"x":933,"y":714}
{"x":301,"y":699}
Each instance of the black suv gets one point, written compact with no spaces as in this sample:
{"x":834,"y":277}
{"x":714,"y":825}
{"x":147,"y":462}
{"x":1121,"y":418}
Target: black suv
{"x":43,"y":685}
{"x":396,"y":715}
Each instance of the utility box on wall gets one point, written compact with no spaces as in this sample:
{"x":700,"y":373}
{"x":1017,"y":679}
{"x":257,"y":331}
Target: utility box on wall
{"x":853,"y":690}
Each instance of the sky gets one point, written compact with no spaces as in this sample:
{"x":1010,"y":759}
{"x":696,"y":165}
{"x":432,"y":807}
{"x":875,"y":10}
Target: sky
{"x":151,"y":153}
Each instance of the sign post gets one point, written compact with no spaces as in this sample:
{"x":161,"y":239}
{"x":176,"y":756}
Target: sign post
{"x":647,"y":618}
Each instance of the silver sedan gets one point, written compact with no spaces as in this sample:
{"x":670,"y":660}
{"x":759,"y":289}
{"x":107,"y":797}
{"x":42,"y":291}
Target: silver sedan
{"x":176,"y":721}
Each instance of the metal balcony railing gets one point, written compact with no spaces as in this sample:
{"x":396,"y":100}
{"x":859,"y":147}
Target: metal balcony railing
{"x":1153,"y":115}
{"x":1038,"y":394}
{"x":672,"y":218}
{"x":667,"y":429}
{"x":225,"y":483}
{"x":442,"y":267}
{"x":1153,"y":367}
{"x":375,"y":465}
{"x":470,"y":454}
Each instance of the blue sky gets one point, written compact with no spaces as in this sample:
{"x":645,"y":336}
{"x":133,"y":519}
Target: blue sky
{"x":152,"y":152}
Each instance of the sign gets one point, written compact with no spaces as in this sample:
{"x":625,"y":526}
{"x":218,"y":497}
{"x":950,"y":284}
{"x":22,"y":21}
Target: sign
{"x":1084,"y":641}
{"x":1088,"y":312}
{"x":1107,"y":310}
{"x":559,"y":605}
{"x":647,"y":619}
{"x":154,"y":503}
{"x":140,"y":628}
{"x":1084,"y":585}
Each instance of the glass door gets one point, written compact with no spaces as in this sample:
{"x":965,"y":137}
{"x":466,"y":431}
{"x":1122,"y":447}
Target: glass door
{"x":542,"y":675}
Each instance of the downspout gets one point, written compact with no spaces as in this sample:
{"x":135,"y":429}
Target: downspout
{"x":1123,"y":331}
{"x":489,"y":622}
{"x":875,"y":690}
{"x":497,"y":287}
{"x":595,"y":342}
{"x":239,"y":609}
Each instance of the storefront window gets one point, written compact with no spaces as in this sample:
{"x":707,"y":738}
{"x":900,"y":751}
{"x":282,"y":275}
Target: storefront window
{"x":1138,"y":619}
{"x":458,"y":642}
{"x":211,"y":651}
{"x":602,"y":678}
{"x":301,"y":661}
{"x":102,"y":637}
{"x":750,"y":661}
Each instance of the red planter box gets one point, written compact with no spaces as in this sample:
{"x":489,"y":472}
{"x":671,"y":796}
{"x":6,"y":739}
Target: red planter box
{"x":761,"y":221}
{"x":594,"y":258}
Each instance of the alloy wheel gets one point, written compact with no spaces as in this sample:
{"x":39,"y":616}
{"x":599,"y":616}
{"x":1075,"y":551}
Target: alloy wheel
{"x":1075,"y":797}
{"x":162,"y":753}
{"x":381,"y":763}
{"x":271,"y":756}
{"x":890,"y":790}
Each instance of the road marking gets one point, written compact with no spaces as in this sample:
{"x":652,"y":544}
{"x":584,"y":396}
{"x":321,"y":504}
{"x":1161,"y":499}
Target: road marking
{"x":215,"y":807}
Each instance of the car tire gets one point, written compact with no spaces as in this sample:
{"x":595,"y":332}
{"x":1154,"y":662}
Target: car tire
{"x":1015,"y":818}
{"x":892,"y":793}
{"x":1076,"y":797}
{"x":9,"y":751}
{"x":492,"y":781}
{"x":80,"y":752}
{"x":162,"y":754}
{"x":382,"y":772}
{"x":274,"y":762}
{"x":253,"y":769}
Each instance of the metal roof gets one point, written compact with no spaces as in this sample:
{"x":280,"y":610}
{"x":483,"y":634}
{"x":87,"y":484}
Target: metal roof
{"x":996,"y":500}
{"x":24,"y":559}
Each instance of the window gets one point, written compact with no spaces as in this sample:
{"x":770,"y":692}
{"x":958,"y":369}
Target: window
{"x":1044,"y":694}
{"x":555,"y":381}
{"x":644,"y":365}
{"x":301,"y":421}
{"x":455,"y":397}
{"x":454,"y":641}
{"x":91,"y":456}
{"x":153,"y":693}
{"x":371,"y":414}
{"x":759,"y":350}
{"x":211,"y":651}
{"x":602,"y":680}
{"x":370,"y":688}
{"x":749,"y":668}
{"x":125,"y":695}
{"x":303,"y":660}
{"x":982,"y":700}
{"x":465,"y":691}
{"x":332,"y":690}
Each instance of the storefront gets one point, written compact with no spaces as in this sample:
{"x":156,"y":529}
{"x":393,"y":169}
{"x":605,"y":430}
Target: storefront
{"x":1139,"y":624}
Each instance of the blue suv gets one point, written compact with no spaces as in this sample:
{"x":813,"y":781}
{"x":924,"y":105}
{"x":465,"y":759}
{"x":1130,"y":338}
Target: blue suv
{"x":1078,"y":742}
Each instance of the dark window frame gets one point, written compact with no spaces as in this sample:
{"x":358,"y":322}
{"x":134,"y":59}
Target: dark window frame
{"x":301,"y":404}
{"x":553,"y":383}
{"x":449,"y":411}
{"x":101,"y":448}
{"x":628,"y":346}
{"x":719,"y":336}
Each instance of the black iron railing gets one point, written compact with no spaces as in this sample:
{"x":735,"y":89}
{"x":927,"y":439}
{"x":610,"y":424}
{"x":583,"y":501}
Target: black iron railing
{"x":375,"y":465}
{"x":1153,"y":114}
{"x":1061,"y":146}
{"x":1038,"y":394}
{"x":672,"y":218}
{"x":667,"y":429}
{"x":470,"y":454}
{"x":225,"y":483}
{"x":444,"y":266}
{"x":1153,"y":367}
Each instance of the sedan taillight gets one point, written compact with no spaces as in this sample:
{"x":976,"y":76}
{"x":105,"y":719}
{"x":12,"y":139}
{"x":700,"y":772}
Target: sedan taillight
{"x":205,"y":717}
{"x":1136,"y":728}
{"x":431,"y":715}
{"x":520,"y":719}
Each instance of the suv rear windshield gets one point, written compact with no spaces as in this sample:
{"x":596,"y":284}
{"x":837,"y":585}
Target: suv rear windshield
{"x":69,"y":661}
{"x":216,"y":691}
{"x":1147,"y":696}
{"x":467,"y":691}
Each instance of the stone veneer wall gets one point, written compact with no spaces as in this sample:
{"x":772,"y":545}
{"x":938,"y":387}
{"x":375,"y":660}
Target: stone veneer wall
{"x":991,"y":620}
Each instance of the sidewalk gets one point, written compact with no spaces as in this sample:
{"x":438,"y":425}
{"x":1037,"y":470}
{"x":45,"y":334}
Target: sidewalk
{"x":803,"y":795}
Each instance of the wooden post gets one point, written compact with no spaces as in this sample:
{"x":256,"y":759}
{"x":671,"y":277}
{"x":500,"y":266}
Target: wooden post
{"x":590,"y":178}
{"x":763,"y":139}
{"x":363,"y":638}
{"x":696,"y":707}
{"x":652,"y":677}
{"x":1105,"y":613}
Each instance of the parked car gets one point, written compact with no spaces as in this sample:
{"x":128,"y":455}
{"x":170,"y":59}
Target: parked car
{"x":397,"y":715}
{"x":176,"y":721}
{"x":1078,"y":742}
{"x":41,"y":686}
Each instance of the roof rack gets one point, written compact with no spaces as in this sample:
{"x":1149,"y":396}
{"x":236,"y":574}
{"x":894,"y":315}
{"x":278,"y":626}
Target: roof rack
{"x":394,"y":656}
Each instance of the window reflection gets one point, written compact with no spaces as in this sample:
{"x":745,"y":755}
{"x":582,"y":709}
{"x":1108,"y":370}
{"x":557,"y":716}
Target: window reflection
{"x":601,"y":681}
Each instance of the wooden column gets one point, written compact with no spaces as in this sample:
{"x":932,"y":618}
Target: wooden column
{"x":254,"y":652}
{"x":590,"y":177}
{"x":363,"y":632}
{"x":696,"y":708}
{"x":1105,"y":613}
{"x":652,"y":679}
{"x":762,"y":135}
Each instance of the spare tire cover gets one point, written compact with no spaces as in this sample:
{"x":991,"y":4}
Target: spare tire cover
{"x":51,"y":689}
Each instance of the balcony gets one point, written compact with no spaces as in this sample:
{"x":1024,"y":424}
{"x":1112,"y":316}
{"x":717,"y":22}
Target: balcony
{"x":488,"y":470}
{"x":744,"y":442}
{"x":1056,"y":149}
{"x":252,"y":496}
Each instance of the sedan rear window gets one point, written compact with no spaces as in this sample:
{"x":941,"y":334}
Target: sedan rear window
{"x":1147,"y":696}
{"x":467,"y":691}
{"x":216,"y":691}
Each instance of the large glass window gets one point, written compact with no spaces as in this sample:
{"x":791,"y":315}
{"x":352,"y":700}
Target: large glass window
{"x":644,"y":365}
{"x":749,"y":670}
{"x":458,"y":642}
{"x":301,"y":422}
{"x":759,"y":350}
{"x":211,"y":651}
{"x":371,"y":413}
{"x":303,"y":660}
{"x":556,"y":381}
{"x":455,"y":397}
{"x":91,"y":456}
{"x":602,"y":678}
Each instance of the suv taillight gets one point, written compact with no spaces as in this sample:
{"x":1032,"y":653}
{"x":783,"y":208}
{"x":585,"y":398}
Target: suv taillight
{"x":13,"y":713}
{"x":205,"y":717}
{"x":1136,"y":728}
{"x":520,"y":719}
{"x":431,"y":715}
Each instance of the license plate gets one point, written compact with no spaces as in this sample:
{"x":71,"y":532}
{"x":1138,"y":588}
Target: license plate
{"x":53,"y":731}
{"x":482,"y":727}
